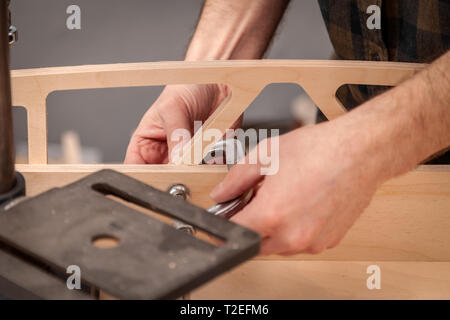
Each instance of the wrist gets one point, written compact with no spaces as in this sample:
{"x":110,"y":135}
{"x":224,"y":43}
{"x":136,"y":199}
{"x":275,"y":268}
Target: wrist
{"x":357,"y":150}
{"x":386,"y":134}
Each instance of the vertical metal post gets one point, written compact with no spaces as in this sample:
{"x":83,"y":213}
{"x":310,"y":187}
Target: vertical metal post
{"x":7,"y":175}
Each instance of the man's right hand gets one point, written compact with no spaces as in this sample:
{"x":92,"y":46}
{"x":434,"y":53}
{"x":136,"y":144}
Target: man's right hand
{"x":177,"y":107}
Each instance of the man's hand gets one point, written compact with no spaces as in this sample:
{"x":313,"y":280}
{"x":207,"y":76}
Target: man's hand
{"x":176,"y":108}
{"x":329,"y":172}
{"x":232,"y":29}
{"x":321,"y":188}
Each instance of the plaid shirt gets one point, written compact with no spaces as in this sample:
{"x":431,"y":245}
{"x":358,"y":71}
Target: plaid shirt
{"x":411,"y":31}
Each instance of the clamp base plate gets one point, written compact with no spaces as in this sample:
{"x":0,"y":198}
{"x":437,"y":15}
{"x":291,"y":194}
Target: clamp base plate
{"x":152,"y":260}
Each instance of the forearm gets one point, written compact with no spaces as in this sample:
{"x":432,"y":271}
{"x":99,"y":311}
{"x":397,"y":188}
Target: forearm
{"x":402,"y":127}
{"x":235,"y":29}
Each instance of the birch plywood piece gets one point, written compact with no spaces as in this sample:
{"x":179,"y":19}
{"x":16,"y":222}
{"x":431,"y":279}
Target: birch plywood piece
{"x":246,"y":79}
{"x":200,"y":180}
{"x":279,"y":279}
{"x":408,"y":219}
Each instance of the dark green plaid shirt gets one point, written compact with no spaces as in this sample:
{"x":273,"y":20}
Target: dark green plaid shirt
{"x":411,"y":31}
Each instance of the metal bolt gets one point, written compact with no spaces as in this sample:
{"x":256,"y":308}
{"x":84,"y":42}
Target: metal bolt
{"x":182,"y":192}
{"x":179,"y":225}
{"x":179,"y":190}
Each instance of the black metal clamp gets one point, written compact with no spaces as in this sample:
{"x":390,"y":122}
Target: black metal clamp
{"x":152,"y":258}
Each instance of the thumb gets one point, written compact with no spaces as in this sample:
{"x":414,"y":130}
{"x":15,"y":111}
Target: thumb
{"x":241,"y":177}
{"x":145,"y":150}
{"x":178,"y":131}
{"x":178,"y":135}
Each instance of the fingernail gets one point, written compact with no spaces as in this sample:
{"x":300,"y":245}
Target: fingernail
{"x":216,"y":191}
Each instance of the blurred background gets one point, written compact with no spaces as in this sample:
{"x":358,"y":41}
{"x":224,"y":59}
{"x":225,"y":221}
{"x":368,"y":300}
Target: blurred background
{"x":99,"y":122}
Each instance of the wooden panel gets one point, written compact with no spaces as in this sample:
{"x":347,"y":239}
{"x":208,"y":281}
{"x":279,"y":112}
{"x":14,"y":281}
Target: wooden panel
{"x":246,"y":79}
{"x":40,"y":178}
{"x":278,"y":279}
{"x":408,"y":219}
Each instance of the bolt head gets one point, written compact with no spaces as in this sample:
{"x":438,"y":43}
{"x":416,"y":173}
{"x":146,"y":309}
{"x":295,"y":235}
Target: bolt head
{"x":179,"y":190}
